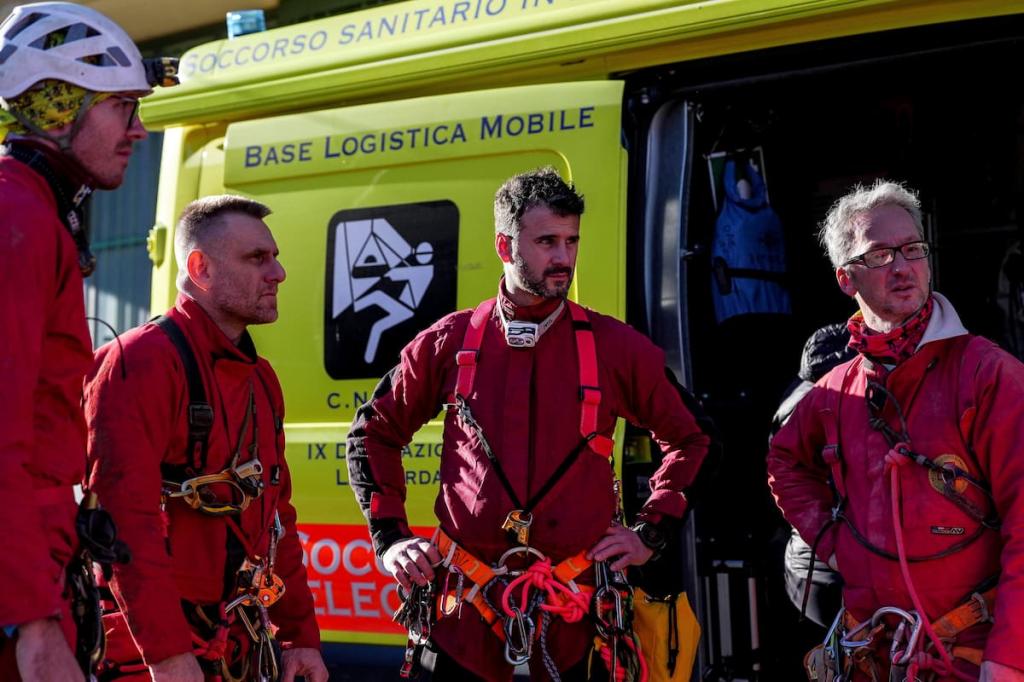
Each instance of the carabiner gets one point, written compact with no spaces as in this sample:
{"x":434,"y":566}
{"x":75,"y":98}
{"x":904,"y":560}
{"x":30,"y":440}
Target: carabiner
{"x":457,"y":598}
{"x":518,"y":637}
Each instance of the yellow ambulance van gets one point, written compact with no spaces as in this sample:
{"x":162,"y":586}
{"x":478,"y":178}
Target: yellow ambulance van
{"x":379,"y":137}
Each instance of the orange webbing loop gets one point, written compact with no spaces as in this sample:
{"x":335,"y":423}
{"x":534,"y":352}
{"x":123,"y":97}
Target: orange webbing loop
{"x":565,"y":598}
{"x":569,"y":569}
{"x":474,"y":569}
{"x":977,"y":610}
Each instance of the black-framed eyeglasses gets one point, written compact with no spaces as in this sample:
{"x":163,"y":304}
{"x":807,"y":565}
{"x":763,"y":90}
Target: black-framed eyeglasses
{"x":134,"y":102}
{"x":877,"y":258}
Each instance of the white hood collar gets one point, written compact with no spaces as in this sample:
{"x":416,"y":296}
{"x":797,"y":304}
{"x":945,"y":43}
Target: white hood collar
{"x":944,"y":323}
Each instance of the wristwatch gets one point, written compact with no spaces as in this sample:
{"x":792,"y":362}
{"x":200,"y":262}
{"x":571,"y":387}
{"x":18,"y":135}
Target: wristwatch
{"x":652,"y":536}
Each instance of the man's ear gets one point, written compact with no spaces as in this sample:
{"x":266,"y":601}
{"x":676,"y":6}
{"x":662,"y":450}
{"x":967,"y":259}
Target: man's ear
{"x":846,"y":283}
{"x":503,"y":245}
{"x":198,"y":267}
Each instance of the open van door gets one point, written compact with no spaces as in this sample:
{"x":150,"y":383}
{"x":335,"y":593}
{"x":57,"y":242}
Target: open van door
{"x":383,"y":214}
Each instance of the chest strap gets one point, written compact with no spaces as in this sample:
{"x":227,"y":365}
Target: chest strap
{"x":586,"y":352}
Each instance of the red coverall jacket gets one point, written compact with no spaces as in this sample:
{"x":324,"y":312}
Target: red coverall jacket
{"x":136,"y":407}
{"x":45,"y":351}
{"x":527,"y":402}
{"x":967,"y":405}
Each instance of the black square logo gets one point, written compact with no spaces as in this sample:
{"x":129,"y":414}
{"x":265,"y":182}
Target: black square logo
{"x":391,"y":273}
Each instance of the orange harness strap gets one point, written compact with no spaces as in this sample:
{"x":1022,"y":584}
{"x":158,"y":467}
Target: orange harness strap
{"x":977,"y":610}
{"x":480,"y":574}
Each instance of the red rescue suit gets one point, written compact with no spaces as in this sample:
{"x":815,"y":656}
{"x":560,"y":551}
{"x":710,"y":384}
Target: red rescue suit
{"x":136,"y":403}
{"x":962,"y":406}
{"x":527,"y":401}
{"x":45,"y":351}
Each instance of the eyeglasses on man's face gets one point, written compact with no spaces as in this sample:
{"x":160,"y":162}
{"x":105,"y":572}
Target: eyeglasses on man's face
{"x":877,"y":258}
{"x":129,"y":106}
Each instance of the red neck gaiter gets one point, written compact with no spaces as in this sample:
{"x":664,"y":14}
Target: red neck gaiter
{"x":894,"y":346}
{"x":528,"y":313}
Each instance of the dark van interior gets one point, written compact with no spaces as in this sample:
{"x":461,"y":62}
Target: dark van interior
{"x":939,"y":108}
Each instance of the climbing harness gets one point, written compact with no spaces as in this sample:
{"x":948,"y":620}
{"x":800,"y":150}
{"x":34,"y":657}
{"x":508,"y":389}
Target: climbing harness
{"x":231,"y":490}
{"x":519,"y":595}
{"x":234,"y":639}
{"x":850,"y":644}
{"x":518,"y":521}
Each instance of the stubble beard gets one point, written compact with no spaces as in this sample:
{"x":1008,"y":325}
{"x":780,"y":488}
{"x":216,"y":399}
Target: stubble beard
{"x":536,"y":285}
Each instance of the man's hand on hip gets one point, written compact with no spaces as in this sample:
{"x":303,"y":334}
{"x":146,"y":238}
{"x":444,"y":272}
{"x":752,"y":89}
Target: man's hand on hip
{"x":43,"y":654}
{"x":180,"y":668}
{"x":997,"y":672}
{"x":623,"y":543}
{"x":411,"y":560}
{"x":306,"y":662}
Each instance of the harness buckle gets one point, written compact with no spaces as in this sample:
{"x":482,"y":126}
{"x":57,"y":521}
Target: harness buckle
{"x":984,"y":615}
{"x":465,"y":358}
{"x":590,"y":395}
{"x":200,"y":417}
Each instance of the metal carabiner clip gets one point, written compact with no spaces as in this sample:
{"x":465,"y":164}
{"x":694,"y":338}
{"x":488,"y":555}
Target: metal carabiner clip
{"x":456,"y":605}
{"x":519,"y":628}
{"x":915,"y":635}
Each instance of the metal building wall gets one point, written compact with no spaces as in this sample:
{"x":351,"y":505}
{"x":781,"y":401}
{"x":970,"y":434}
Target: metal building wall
{"x":119,"y":220}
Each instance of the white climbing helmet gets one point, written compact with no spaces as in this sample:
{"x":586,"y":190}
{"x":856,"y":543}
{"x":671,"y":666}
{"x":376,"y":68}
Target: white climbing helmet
{"x":67,"y":42}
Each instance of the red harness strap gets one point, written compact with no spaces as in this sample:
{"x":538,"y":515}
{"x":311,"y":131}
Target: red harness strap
{"x":586,"y":352}
{"x":835,"y":384}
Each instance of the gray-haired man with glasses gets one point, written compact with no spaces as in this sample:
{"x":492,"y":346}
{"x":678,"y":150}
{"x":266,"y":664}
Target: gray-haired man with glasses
{"x":902,"y":467}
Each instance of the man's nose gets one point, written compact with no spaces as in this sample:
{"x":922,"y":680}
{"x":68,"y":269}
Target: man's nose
{"x":277,"y":272}
{"x":560,"y":254}
{"x":136,"y":131}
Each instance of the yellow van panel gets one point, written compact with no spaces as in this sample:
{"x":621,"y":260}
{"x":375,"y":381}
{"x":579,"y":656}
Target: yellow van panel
{"x":430,"y":46}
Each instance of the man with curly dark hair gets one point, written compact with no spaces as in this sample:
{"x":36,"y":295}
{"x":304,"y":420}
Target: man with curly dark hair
{"x":533,"y":384}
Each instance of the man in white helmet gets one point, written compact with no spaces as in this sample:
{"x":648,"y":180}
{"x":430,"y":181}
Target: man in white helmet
{"x":70,"y":83}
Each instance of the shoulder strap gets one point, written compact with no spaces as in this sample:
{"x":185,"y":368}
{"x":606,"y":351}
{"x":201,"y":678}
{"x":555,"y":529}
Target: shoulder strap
{"x":590,"y":388}
{"x":466,"y":358}
{"x":835,"y":384}
{"x":200,"y":413}
{"x":70,"y":210}
{"x":586,"y":351}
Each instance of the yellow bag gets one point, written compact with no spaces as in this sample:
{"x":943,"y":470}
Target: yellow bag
{"x":663,"y":626}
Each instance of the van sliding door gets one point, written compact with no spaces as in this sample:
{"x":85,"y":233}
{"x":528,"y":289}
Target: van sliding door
{"x":669,"y":164}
